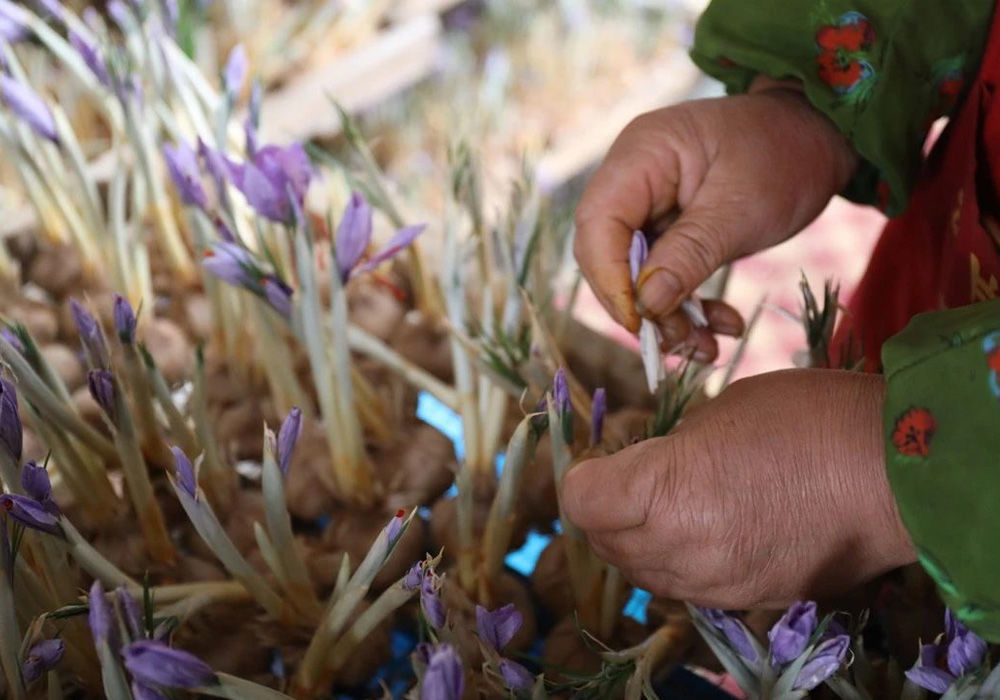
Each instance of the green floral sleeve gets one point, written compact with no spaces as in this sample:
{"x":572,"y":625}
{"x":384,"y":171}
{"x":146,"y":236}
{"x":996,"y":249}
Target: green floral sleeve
{"x":882,"y":70}
{"x":942,"y":442}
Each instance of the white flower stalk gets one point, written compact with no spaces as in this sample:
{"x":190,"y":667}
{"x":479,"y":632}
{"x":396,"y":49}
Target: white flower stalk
{"x":500,"y":522}
{"x":649,"y":333}
{"x":10,"y":634}
{"x":293,"y":572}
{"x":210,"y":530}
{"x":314,"y":671}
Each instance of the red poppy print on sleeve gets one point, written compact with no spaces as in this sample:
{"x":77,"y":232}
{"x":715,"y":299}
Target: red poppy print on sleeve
{"x":843,"y":60}
{"x":913,"y":433}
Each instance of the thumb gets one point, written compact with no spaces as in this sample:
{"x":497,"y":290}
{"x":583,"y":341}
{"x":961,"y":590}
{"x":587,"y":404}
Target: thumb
{"x":686,"y":255}
{"x":612,"y":493}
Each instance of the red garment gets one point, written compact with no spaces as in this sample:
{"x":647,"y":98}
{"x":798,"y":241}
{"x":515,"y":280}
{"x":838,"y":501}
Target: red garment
{"x":944,"y":251}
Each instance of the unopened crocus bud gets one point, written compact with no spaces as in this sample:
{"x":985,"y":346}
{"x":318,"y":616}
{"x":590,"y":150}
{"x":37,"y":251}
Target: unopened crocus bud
{"x":29,"y":107}
{"x":395,"y":527}
{"x":599,"y":408}
{"x":826,"y":659}
{"x":790,"y":635}
{"x":230,"y":263}
{"x":30,"y":513}
{"x":102,"y":388}
{"x":430,"y":600}
{"x":41,"y":658}
{"x":182,"y":164}
{"x":125,"y":321}
{"x":354,"y":234}
{"x":154,"y":663}
{"x":496,"y":628}
{"x":275,"y":181}
{"x":560,"y":392}
{"x":185,"y":475}
{"x":35,"y":482}
{"x":11,"y":432}
{"x":235,"y":72}
{"x":288,"y":436}
{"x":515,"y":676}
{"x":92,"y":58}
{"x":444,"y":678}
{"x":99,"y":616}
{"x":12,"y":338}
{"x":91,"y":335}
{"x":733,"y":630}
{"x":278,"y":295}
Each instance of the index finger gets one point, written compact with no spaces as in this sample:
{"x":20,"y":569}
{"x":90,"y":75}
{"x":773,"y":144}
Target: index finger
{"x":621,"y":197}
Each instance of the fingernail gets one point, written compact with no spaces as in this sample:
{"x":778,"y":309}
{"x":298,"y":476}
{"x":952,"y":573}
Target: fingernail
{"x":702,"y":356}
{"x":659,"y":291}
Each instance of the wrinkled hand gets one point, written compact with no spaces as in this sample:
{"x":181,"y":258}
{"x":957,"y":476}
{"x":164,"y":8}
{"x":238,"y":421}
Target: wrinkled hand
{"x":710,"y":181}
{"x":772,"y":492}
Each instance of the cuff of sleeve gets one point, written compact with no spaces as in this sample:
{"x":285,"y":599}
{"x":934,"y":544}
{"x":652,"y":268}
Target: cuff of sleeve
{"x":942,"y":437}
{"x":880,"y":91}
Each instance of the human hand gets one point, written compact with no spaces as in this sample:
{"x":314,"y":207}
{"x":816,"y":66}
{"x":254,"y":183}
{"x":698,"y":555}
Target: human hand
{"x":774,"y":491}
{"x":710,"y":181}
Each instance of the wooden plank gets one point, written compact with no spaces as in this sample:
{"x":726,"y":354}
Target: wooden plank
{"x":398,"y":58}
{"x":668,"y":81}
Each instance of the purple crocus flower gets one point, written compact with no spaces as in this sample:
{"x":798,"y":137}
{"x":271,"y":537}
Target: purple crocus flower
{"x":215,"y":165}
{"x":515,"y":676}
{"x":185,"y":476}
{"x":733,"y":630}
{"x":42,"y":658}
{"x":12,"y":28}
{"x":598,"y":410}
{"x":235,"y":72}
{"x":825,"y":660}
{"x":182,"y":164}
{"x":959,"y":652}
{"x":354,"y":234}
{"x":430,"y":599}
{"x":790,"y":635}
{"x":234,"y":264}
{"x":288,"y":436}
{"x":498,"y":627}
{"x":102,"y":388}
{"x":91,"y":56}
{"x":91,"y":335}
{"x":99,"y":616}
{"x":560,"y":392}
{"x":30,"y":513}
{"x":30,"y":107}
{"x":141,"y":691}
{"x":444,"y":678}
{"x":125,"y":321}
{"x":35,"y":481}
{"x":399,"y":242}
{"x":274,"y":180}
{"x":231,"y":263}
{"x":154,"y":663}
{"x":11,"y":436}
{"x":637,"y":254}
{"x":130,"y":612}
